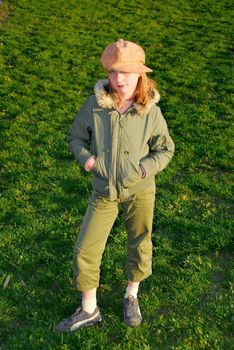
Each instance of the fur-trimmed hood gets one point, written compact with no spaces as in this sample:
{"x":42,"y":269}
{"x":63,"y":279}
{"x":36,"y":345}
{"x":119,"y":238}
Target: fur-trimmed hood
{"x":105,"y":99}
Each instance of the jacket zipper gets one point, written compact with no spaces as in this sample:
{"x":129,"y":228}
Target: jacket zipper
{"x":118,"y":152}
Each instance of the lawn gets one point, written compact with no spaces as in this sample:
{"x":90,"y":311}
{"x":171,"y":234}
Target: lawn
{"x":49,"y":63}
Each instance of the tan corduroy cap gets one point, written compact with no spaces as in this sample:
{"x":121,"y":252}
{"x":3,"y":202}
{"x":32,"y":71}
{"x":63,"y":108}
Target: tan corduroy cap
{"x":125,"y":56}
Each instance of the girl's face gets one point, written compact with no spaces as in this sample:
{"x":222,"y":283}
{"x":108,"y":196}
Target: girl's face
{"x":124,"y":83}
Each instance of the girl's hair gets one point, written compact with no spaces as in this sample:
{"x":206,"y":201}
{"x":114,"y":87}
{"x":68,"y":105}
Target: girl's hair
{"x":144,"y":89}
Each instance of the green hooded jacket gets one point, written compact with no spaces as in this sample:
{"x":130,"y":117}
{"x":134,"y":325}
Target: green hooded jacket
{"x":122,"y":143}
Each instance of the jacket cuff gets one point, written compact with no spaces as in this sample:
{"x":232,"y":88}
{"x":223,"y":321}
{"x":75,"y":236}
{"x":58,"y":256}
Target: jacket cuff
{"x":82,"y":158}
{"x":149,"y":165}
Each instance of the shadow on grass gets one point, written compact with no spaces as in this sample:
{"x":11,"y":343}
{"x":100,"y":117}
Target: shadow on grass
{"x":187,"y":276}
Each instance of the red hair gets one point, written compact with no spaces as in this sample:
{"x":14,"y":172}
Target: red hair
{"x":145,"y":87}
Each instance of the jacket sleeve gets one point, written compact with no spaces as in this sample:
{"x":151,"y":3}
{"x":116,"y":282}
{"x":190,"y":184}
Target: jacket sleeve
{"x":161,"y":147}
{"x":79,"y":136}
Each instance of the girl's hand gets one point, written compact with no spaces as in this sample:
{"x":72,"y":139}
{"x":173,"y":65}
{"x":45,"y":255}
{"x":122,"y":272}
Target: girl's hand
{"x":90,"y":163}
{"x":142,"y":171}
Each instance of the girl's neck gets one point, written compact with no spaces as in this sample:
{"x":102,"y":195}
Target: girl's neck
{"x":126,"y":96}
{"x":125,"y":105}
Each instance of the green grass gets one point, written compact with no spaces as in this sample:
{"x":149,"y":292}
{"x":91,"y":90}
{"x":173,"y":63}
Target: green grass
{"x":49,"y":63}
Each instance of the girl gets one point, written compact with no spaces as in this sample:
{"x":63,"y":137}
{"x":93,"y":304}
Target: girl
{"x":121,"y":137}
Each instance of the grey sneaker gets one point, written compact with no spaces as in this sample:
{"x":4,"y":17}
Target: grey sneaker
{"x":79,"y":319}
{"x":132,"y":314}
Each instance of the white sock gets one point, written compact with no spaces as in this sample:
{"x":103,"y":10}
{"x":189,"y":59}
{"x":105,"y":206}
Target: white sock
{"x":130,"y":290}
{"x":89,"y":304}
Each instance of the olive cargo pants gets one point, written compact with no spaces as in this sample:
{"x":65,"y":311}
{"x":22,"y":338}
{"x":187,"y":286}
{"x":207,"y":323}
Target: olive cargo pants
{"x":98,"y":221}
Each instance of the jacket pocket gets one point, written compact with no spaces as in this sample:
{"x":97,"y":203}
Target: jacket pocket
{"x":130,"y":173}
{"x":100,"y":168}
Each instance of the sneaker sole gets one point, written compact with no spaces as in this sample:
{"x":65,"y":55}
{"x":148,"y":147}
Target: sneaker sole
{"x":76,"y":326}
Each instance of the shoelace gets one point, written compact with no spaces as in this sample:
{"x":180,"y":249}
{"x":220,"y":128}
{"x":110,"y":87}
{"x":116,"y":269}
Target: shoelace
{"x":131,"y":305}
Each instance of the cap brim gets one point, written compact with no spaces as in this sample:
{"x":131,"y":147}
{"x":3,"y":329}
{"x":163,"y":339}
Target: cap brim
{"x":131,"y":68}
